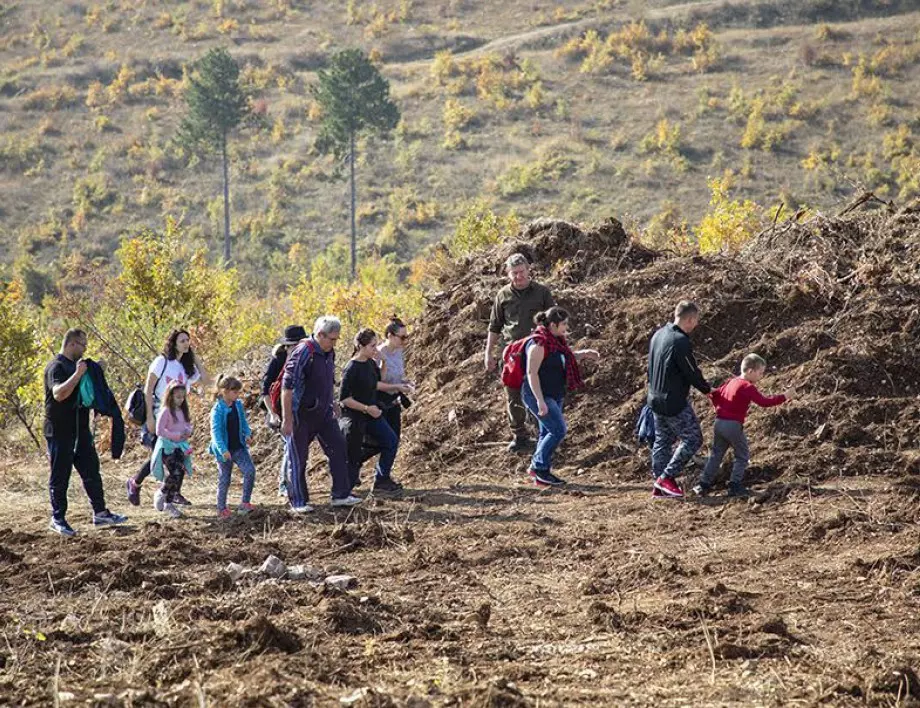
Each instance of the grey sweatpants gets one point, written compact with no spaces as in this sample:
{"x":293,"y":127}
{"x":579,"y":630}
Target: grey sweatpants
{"x":727,"y":434}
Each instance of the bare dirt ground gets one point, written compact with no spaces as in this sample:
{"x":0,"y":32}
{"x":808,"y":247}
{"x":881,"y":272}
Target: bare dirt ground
{"x":477,"y":589}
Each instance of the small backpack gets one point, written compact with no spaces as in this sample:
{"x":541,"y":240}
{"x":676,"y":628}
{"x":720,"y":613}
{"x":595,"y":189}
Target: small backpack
{"x":514,"y":368}
{"x":274,"y":391}
{"x":136,"y":405}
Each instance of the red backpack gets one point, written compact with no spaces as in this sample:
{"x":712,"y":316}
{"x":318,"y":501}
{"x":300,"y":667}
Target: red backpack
{"x":274,"y":391}
{"x":514,"y":368}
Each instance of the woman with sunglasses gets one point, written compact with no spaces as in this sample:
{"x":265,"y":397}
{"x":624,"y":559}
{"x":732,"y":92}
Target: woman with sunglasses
{"x":393,"y":389}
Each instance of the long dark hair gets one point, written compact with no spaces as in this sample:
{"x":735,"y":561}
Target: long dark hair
{"x":170,"y":352}
{"x":168,"y":398}
{"x":363,"y":338}
{"x":554,"y":315}
{"x":395,"y":325}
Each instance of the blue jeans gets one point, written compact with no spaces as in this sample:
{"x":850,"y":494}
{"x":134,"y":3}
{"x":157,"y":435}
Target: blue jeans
{"x":244,"y":462}
{"x":668,"y":430}
{"x":552,"y":429}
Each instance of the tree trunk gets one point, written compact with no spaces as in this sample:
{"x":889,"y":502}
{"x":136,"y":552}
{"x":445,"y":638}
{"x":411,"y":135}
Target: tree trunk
{"x":22,"y":419}
{"x":226,"y":203}
{"x":354,"y":233}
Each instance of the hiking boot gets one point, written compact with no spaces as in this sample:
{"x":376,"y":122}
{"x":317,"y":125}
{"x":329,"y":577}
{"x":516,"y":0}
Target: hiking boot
{"x":545,"y":478}
{"x":245,"y":508}
{"x":702,"y":490}
{"x":159,"y":500}
{"x":179,"y":500}
{"x":305,"y":509}
{"x":350,"y":500}
{"x":736,"y":489}
{"x":669,"y":487}
{"x":519,"y":446}
{"x":224,"y":513}
{"x":62,"y":527}
{"x":387,"y":485}
{"x":134,"y":491}
{"x":107,"y":518}
{"x":171,"y":509}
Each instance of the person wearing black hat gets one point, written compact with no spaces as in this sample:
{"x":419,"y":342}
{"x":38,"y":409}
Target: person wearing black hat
{"x":292,"y":336}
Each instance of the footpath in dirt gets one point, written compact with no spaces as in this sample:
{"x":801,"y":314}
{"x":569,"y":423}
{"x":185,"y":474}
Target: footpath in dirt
{"x":477,"y":589}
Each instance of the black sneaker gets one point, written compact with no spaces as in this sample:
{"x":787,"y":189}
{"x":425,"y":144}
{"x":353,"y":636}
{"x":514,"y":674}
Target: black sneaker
{"x":107,"y":518}
{"x":545,"y":478}
{"x":62,"y":527}
{"x":388,"y":486}
{"x":701,"y":490}
{"x":738,"y":490}
{"x":180,"y":500}
{"x":519,"y":446}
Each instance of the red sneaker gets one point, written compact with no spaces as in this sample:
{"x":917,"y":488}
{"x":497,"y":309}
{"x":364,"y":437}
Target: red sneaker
{"x":658,"y":494}
{"x":669,"y":487}
{"x":224,"y":513}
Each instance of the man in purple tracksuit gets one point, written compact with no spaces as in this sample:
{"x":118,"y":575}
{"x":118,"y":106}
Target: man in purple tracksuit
{"x":308,"y":412}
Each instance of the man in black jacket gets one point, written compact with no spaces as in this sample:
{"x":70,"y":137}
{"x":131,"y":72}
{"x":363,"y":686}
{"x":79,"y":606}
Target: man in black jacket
{"x":672,"y":370}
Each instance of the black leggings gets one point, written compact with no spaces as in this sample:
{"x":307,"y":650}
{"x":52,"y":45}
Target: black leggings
{"x":174,"y":469}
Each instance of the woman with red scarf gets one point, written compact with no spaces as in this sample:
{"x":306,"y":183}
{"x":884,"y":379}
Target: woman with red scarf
{"x":552,"y":368}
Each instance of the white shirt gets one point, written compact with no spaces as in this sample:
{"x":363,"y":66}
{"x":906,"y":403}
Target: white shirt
{"x":173,"y":371}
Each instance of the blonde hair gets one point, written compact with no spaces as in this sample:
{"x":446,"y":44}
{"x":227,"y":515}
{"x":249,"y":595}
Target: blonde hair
{"x":753,"y":361}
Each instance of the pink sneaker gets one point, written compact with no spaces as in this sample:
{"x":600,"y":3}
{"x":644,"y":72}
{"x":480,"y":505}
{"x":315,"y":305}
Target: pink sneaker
{"x":224,"y":513}
{"x":669,"y":487}
{"x":246,"y":507}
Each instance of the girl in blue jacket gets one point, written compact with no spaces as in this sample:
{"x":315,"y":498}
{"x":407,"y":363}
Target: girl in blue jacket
{"x":230,"y":437}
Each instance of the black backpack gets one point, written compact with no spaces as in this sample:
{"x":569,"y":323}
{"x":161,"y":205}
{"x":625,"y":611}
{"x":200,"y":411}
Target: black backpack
{"x":136,"y":405}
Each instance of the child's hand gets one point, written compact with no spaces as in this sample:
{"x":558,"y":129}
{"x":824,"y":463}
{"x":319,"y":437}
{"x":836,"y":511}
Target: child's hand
{"x":226,"y":457}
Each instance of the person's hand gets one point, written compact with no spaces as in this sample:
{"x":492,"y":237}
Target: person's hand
{"x":542,"y":409}
{"x":81,"y":368}
{"x":227,"y":456}
{"x":151,"y":425}
{"x":287,"y":427}
{"x":490,"y":361}
{"x":273,"y":419}
{"x":404,"y":389}
{"x":373,"y":411}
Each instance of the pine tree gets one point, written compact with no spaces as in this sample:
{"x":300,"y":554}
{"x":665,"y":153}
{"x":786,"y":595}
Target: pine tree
{"x":216,"y":106}
{"x":355,"y":100}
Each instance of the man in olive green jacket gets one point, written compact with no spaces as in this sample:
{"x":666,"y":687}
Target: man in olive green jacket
{"x":513,"y":311}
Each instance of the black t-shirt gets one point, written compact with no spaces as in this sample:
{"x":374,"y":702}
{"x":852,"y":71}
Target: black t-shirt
{"x":62,"y":418}
{"x":233,"y":430}
{"x":359,"y":381}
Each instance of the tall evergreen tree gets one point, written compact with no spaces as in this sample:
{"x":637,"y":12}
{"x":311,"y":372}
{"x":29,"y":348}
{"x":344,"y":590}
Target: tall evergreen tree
{"x":216,"y":105}
{"x":355,"y":100}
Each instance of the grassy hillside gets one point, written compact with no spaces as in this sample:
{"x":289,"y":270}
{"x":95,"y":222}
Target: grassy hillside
{"x":571,"y":109}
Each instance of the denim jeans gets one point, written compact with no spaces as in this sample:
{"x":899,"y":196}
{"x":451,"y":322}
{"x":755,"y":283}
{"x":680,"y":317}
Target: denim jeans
{"x":552,"y":429}
{"x":668,"y":430}
{"x":242,"y":460}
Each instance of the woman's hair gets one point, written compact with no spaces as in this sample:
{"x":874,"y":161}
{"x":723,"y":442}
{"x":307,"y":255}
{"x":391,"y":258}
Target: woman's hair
{"x":171,"y":388}
{"x":170,"y":352}
{"x":227,"y":383}
{"x":554,"y":315}
{"x":395,"y":325}
{"x":363,"y":338}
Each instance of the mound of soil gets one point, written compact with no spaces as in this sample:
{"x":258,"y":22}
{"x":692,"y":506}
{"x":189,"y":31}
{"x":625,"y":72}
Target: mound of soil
{"x":833,"y":304}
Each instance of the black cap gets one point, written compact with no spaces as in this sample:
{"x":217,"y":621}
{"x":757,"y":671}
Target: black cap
{"x":293,"y":334}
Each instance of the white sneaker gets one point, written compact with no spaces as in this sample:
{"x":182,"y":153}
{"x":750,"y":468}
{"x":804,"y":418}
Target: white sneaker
{"x":159,"y":500}
{"x":305,"y":509}
{"x":350,"y":500}
{"x":172,"y":510}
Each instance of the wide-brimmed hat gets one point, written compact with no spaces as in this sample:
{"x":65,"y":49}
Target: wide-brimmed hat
{"x":293,"y":334}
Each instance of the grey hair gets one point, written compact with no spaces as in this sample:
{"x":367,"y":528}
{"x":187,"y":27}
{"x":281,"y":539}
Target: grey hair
{"x":515,"y":260}
{"x":327,"y":324}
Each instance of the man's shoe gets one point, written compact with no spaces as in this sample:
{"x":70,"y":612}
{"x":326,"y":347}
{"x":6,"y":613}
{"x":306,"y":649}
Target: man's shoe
{"x":305,"y":509}
{"x":519,"y":446}
{"x":134,"y":491}
{"x":350,"y":500}
{"x":669,"y":487}
{"x":159,"y":500}
{"x":545,"y":478}
{"x":738,"y":490}
{"x":701,"y":490}
{"x":171,"y":509}
{"x":62,"y":527}
{"x":387,"y":486}
{"x":107,"y":518}
{"x":179,"y":500}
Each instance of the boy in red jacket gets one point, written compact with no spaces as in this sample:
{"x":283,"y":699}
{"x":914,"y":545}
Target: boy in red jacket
{"x":731,"y":401}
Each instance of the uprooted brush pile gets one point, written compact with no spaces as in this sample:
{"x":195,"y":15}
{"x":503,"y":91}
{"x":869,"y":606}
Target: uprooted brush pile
{"x":833,"y":304}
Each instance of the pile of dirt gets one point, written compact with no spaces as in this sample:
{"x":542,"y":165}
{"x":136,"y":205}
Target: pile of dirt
{"x":833,"y":304}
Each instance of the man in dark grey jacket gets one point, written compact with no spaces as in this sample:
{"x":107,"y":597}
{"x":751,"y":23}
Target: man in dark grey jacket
{"x":672,"y":370}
